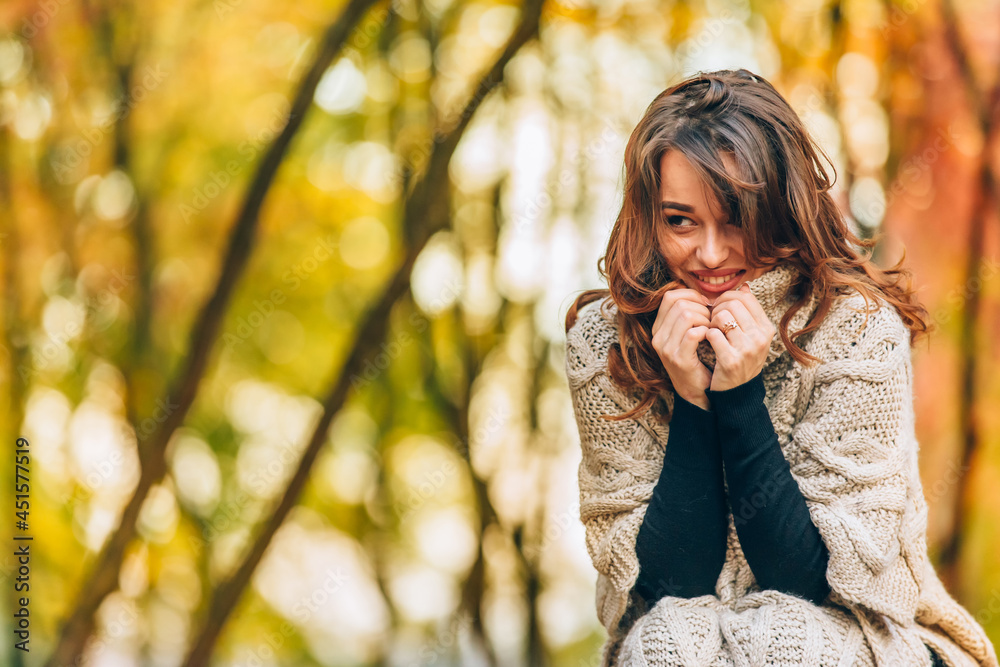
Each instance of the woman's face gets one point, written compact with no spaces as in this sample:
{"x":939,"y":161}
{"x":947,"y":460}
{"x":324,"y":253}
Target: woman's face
{"x":696,"y":241}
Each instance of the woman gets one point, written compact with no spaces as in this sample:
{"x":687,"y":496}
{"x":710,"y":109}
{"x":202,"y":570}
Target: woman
{"x":751,"y":499}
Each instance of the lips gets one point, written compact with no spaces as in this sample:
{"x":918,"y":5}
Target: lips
{"x":722,"y":287}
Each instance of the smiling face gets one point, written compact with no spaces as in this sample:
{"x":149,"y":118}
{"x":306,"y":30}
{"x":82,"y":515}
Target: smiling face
{"x":700,"y":245}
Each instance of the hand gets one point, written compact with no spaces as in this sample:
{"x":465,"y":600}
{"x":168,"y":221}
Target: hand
{"x":740,"y":353}
{"x":682,"y":322}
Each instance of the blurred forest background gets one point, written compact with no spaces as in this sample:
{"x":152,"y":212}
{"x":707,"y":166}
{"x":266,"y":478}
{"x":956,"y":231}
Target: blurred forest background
{"x":284,"y":285}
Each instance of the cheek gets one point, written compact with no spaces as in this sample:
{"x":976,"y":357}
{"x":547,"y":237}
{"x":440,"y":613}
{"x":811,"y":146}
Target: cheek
{"x":668,"y":252}
{"x":737,"y":242}
{"x":675,"y":250}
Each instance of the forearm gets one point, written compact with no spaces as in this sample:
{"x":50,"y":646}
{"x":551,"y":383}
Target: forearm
{"x":681,"y":545}
{"x":782,"y":545}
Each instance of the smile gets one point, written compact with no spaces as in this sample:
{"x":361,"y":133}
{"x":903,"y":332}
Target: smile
{"x":720,"y":283}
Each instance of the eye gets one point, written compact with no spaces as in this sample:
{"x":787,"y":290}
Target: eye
{"x":674,"y":220}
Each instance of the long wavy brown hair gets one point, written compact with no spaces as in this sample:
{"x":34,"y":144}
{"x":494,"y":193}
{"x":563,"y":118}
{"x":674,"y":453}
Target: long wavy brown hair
{"x":781,"y":201}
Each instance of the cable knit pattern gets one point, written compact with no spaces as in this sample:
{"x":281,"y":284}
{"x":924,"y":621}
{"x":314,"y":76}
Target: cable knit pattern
{"x":846,"y":427}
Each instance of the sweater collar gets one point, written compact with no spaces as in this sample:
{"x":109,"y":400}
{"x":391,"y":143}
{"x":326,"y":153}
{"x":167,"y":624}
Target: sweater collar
{"x":771,"y":289}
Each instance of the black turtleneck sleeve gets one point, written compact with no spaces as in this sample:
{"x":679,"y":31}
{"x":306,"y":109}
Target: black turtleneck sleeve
{"x":681,"y":544}
{"x":782,"y":545}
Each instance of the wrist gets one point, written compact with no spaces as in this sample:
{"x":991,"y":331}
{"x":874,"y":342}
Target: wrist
{"x":743,"y":418}
{"x":749,"y":393}
{"x":700,"y":401}
{"x":693,"y":441}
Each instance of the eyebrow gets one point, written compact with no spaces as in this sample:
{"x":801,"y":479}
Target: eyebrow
{"x":676,"y":205}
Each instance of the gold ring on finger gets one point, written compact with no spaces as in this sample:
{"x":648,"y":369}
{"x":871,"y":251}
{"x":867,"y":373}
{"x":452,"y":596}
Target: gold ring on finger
{"x":729,"y":326}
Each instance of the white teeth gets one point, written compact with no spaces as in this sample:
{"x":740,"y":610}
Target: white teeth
{"x":719,"y":279}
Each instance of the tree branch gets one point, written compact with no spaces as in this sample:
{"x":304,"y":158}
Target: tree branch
{"x":425,"y":211}
{"x":104,"y":577}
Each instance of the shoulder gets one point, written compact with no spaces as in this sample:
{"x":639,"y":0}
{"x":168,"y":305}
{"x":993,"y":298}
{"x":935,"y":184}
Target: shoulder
{"x":864,"y":349}
{"x":594,"y":392}
{"x":590,"y":337}
{"x":856,"y":329}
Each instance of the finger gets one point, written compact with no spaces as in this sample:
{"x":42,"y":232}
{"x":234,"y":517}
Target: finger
{"x":750,"y":331}
{"x":685,"y":318}
{"x":724,"y":350}
{"x":735,"y":310}
{"x":723,"y":317}
{"x":749,"y":302}
{"x":670,"y":298}
{"x":687,"y":347}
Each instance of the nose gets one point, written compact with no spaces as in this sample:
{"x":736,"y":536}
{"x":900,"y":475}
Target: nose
{"x":713,"y":249}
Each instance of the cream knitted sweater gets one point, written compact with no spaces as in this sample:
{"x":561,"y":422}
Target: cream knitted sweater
{"x":846,"y":427}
